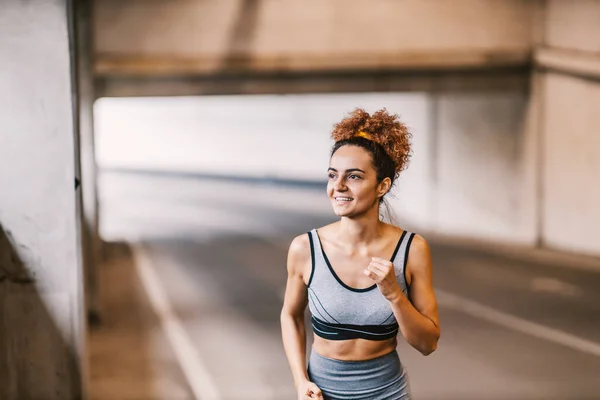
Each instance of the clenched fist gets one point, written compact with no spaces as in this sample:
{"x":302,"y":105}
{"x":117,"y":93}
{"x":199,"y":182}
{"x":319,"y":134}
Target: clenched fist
{"x":308,"y":390}
{"x":382,"y":272}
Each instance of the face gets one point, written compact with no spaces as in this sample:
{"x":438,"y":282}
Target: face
{"x":352,"y":187}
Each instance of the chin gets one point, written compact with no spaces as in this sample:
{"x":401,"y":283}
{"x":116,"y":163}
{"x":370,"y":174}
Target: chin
{"x":342,"y":212}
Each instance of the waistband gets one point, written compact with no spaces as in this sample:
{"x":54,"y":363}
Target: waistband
{"x":368,"y":379}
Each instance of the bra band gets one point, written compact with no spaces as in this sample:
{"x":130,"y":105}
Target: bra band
{"x":331,"y":331}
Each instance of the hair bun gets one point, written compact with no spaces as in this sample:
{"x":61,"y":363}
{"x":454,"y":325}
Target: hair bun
{"x":382,"y":128}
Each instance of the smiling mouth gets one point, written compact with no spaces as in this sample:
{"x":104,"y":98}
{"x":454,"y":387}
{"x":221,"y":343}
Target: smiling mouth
{"x":343,"y":199}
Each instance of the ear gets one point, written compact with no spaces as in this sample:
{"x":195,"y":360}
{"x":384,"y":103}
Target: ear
{"x":384,"y":187}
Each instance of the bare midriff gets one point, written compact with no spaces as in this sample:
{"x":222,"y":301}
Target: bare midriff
{"x":353,"y":349}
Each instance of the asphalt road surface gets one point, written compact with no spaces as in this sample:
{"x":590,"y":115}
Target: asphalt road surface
{"x":217,"y":249}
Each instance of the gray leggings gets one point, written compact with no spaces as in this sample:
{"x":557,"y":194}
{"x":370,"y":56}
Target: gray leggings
{"x":382,"y":378}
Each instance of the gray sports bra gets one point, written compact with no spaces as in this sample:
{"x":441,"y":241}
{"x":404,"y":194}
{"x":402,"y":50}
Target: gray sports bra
{"x":341,"y":312}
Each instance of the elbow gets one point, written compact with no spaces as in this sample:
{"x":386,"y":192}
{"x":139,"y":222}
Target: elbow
{"x":429,"y":346}
{"x":427,"y":350}
{"x":286,"y":317}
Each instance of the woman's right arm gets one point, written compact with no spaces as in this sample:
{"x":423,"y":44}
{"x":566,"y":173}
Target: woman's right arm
{"x":293,"y":330}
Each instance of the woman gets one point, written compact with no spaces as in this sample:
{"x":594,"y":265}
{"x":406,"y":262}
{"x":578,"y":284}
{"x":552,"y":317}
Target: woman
{"x":357,"y":275}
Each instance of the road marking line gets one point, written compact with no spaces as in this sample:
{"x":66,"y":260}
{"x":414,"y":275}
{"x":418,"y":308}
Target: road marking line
{"x":489,"y":314}
{"x":195,"y":371}
{"x":555,"y":286}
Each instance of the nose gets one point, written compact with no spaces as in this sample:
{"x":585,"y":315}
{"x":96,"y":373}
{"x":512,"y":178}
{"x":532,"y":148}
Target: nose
{"x":340,"y":184}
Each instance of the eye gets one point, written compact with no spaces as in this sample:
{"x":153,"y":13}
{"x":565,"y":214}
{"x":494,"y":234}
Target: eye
{"x":331,"y":175}
{"x":353,"y":176}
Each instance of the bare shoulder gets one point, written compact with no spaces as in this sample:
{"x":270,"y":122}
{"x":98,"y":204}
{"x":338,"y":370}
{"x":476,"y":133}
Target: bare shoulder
{"x":419,"y":245}
{"x":419,"y":254}
{"x":391,"y":230}
{"x":299,"y":245}
{"x":299,"y":255}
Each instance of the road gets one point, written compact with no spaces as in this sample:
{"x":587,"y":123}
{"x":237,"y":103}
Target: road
{"x":510,"y":329}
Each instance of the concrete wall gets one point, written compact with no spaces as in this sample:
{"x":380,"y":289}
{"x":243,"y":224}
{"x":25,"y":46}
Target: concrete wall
{"x":470,"y":174}
{"x":572,"y":163}
{"x":462,"y":141}
{"x":255,"y":136}
{"x":483,"y":159}
{"x":189,"y":36}
{"x":505,"y":165}
{"x":41,"y":307}
{"x":569,"y":66}
{"x":200,"y":28}
{"x":573,"y":25}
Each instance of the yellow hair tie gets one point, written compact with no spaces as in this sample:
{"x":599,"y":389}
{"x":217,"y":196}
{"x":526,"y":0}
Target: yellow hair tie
{"x":364,"y":135}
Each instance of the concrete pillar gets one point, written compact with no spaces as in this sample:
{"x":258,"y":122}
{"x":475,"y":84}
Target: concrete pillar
{"x":42,"y":329}
{"x":484,"y":168}
{"x":567,"y":61}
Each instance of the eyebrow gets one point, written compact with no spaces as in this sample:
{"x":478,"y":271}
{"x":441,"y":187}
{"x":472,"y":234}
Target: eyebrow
{"x":348,"y":170}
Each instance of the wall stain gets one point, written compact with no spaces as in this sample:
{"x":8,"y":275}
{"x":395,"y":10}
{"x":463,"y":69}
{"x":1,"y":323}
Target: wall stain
{"x":12,"y":269}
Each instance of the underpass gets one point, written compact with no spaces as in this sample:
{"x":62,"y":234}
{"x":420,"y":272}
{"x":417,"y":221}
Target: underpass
{"x":217,"y":249}
{"x":238,"y":96}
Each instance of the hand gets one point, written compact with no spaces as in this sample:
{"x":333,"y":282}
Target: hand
{"x":308,"y":390}
{"x":382,"y":272}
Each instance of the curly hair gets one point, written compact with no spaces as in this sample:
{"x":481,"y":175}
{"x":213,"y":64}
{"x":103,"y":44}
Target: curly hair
{"x":382,"y":134}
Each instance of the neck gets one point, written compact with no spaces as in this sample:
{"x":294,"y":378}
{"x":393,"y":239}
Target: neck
{"x":361,"y":229}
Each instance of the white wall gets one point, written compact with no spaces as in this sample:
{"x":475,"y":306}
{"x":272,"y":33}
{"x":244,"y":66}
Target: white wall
{"x":42,"y":328}
{"x":258,"y":136}
{"x":470,"y":173}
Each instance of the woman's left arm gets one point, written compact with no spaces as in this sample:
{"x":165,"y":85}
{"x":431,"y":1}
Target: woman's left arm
{"x":418,"y":317}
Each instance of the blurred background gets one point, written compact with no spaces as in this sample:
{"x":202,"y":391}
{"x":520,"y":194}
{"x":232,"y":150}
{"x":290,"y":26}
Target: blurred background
{"x":158,"y":157}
